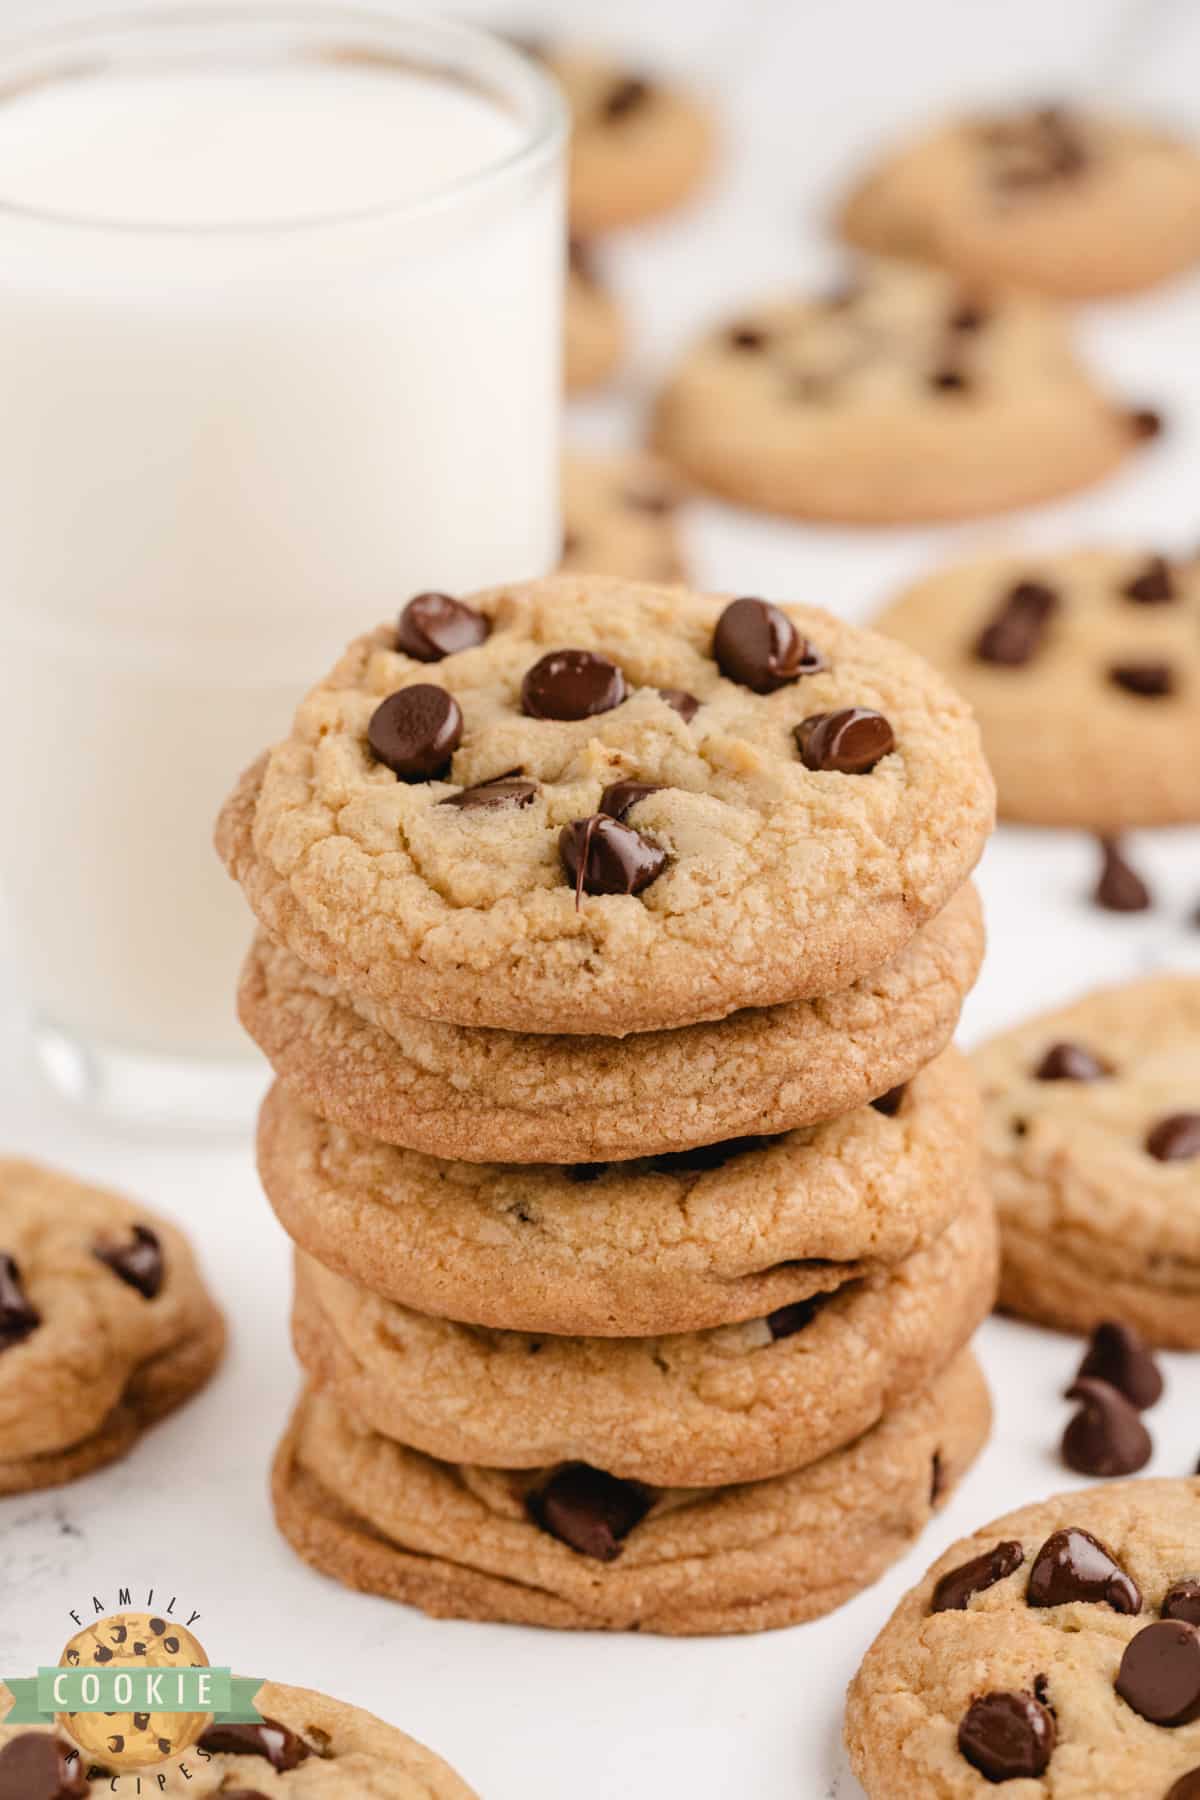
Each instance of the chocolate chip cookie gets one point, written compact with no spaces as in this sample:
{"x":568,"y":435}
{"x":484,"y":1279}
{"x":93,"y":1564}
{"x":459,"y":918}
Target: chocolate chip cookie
{"x":681,"y":1242}
{"x":105,"y":1325}
{"x":583,"y":805}
{"x":1092,"y":1152}
{"x":1084,"y":672}
{"x":1051,"y":198}
{"x":574,"y":1547}
{"x":900,"y":396}
{"x":493,"y":1096}
{"x":594,"y":326}
{"x":619,"y":516}
{"x":1056,"y":1649}
{"x":307,"y":1745}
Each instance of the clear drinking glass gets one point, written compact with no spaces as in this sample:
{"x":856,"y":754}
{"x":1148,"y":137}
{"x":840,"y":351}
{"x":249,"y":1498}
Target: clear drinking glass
{"x":280,"y":333}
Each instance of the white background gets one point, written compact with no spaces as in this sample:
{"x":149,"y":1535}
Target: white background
{"x":804,"y":87}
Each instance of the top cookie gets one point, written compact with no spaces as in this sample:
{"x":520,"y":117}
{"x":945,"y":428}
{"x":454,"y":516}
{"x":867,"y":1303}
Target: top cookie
{"x":1057,"y":1649}
{"x":1084,"y":672}
{"x":818,"y":793}
{"x":1048,"y":198}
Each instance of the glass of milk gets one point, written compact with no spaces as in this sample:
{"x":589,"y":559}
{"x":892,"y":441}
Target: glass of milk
{"x":280,"y":335}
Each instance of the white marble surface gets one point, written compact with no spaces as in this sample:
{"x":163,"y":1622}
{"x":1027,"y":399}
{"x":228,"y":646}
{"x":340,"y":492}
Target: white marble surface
{"x":534,"y":1716}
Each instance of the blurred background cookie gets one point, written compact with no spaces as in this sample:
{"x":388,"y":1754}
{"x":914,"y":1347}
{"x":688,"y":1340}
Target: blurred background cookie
{"x":619,"y":515}
{"x":593,"y":324}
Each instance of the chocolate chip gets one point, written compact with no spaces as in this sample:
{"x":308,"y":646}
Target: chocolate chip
{"x":1175,"y":1138}
{"x":1120,"y":887}
{"x":706,"y":1156}
{"x":1008,"y":1736}
{"x":242,"y":1794}
{"x":1183,"y":1602}
{"x":1014,"y":634}
{"x":786,"y":1321}
{"x":1148,"y":680}
{"x":849,"y":742}
{"x":626,"y":95}
{"x":1118,"y":1356}
{"x":1187,"y":1787}
{"x":571,"y":684}
{"x":1159,"y":1675}
{"x":416,"y":731}
{"x":270,"y":1740}
{"x":658,"y":502}
{"x":1106,"y":1437}
{"x":680,"y":701}
{"x":17,"y":1317}
{"x":956,"y":1589}
{"x":39,"y":1765}
{"x":757,"y":645}
{"x":619,"y":796}
{"x":139,"y":1263}
{"x":602,"y":856}
{"x":1070,"y":1062}
{"x":746,"y":337}
{"x":1153,"y":585}
{"x":581,"y":261}
{"x":889,"y":1104}
{"x":1073,"y":1565}
{"x":937,"y":1478}
{"x":502,"y":790}
{"x":949,"y":381}
{"x":589,"y":1510}
{"x":432,"y":626}
{"x":968,"y":316}
{"x":1146,"y":423}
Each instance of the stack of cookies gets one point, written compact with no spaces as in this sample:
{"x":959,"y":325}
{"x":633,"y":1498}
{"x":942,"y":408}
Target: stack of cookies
{"x":612,"y":939}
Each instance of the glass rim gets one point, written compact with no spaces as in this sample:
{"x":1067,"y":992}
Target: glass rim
{"x":542,"y":135}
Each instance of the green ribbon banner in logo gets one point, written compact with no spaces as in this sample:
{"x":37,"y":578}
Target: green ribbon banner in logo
{"x":116,"y":1689}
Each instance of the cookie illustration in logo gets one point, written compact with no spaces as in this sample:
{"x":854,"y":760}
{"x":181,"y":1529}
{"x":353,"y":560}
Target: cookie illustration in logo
{"x":134,"y":1740}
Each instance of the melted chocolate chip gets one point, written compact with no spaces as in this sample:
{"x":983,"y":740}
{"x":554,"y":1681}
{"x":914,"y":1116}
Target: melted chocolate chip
{"x":502,"y":790}
{"x":1070,"y":1062}
{"x":1014,"y":634}
{"x":602,"y":856}
{"x":680,"y":701}
{"x":18,"y":1318}
{"x":1146,"y":423}
{"x":889,"y":1104}
{"x":1159,"y":1675}
{"x":270,"y":1740}
{"x":1183,"y":1602}
{"x":589,"y":1510}
{"x":849,"y":742}
{"x":1120,"y":887}
{"x":626,"y":95}
{"x":619,"y":796}
{"x":39,"y":1765}
{"x":756,"y":645}
{"x":571,"y":684}
{"x":416,"y":731}
{"x":1187,"y":1787}
{"x":1152,"y":585}
{"x":139,"y":1264}
{"x":956,"y":1589}
{"x":1073,"y":1565}
{"x":1146,"y":680}
{"x":786,"y":1321}
{"x":432,"y":626}
{"x":1106,"y":1437}
{"x":1118,"y":1356}
{"x":1175,"y":1138}
{"x":1008,"y":1736}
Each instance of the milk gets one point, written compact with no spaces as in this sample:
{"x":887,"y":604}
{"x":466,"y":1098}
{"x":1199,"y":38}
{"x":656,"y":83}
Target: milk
{"x":279,"y":346}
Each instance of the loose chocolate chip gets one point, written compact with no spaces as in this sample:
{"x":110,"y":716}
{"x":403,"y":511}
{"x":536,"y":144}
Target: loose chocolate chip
{"x":849,"y":742}
{"x":956,"y":1589}
{"x":619,"y":796}
{"x":889,"y":1104}
{"x":416,"y":731}
{"x":1159,"y":1675}
{"x":1176,"y":1138}
{"x":1120,"y":887}
{"x":786,"y":1321}
{"x":1070,"y":1062}
{"x":1183,"y":1602}
{"x":1149,"y":681}
{"x":680,"y":701}
{"x":571,"y":684}
{"x":758,"y":646}
{"x":1153,"y":585}
{"x":949,"y":381}
{"x":1106,"y":1437}
{"x":1146,"y":423}
{"x":627,"y":95}
{"x":1008,"y":1736}
{"x":602,"y":856}
{"x":39,"y":1765}
{"x":1187,"y":1787}
{"x":432,"y":626}
{"x":502,"y":790}
{"x":1073,"y":1565}
{"x":746,"y":337}
{"x":270,"y":1740}
{"x":589,"y":1510}
{"x":17,"y":1317}
{"x":139,"y":1263}
{"x":1013,"y":636}
{"x":1118,"y":1356}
